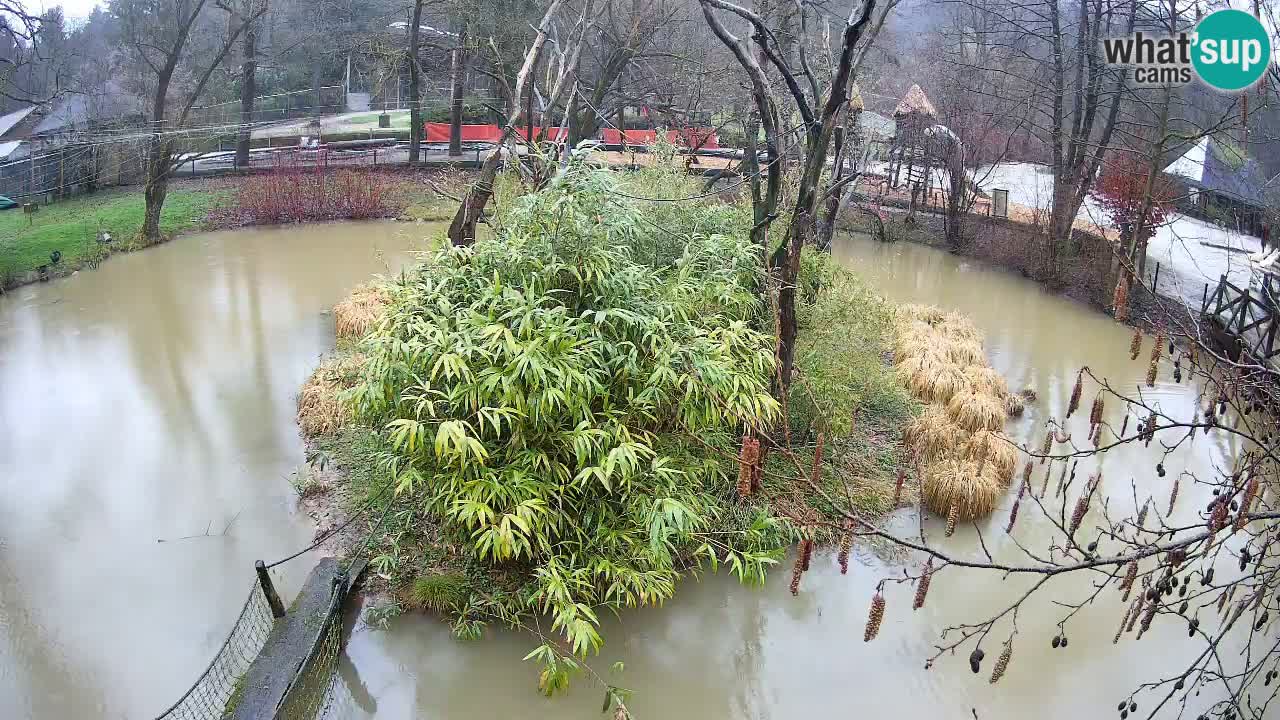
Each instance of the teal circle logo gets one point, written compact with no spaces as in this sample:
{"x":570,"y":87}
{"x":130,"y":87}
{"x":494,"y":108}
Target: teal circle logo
{"x":1232,"y":50}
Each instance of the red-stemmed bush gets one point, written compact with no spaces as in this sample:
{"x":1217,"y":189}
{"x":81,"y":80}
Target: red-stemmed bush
{"x":294,"y":192}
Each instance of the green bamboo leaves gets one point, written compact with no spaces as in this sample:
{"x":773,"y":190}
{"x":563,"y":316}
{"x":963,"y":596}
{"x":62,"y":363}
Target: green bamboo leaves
{"x":557,"y":396}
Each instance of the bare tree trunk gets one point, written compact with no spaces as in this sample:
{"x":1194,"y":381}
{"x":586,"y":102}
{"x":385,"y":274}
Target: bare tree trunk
{"x":155,"y":189}
{"x":462,"y":231}
{"x":248,"y":91}
{"x":457,"y":77}
{"x":415,"y":82}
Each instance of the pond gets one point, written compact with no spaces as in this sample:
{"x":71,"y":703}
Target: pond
{"x":148,"y":438}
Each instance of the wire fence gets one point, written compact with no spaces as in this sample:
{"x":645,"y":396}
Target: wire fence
{"x":312,"y":693}
{"x":218,"y":686}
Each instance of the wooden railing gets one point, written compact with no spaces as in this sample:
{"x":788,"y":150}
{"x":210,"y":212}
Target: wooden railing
{"x":1249,"y":315}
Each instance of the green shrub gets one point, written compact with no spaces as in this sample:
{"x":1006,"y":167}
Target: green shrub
{"x":564,"y":397}
{"x":440,"y":591}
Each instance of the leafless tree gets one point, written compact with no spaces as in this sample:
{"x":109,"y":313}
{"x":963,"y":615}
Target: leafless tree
{"x":462,"y":230}
{"x":820,"y":103}
{"x":158,"y":34}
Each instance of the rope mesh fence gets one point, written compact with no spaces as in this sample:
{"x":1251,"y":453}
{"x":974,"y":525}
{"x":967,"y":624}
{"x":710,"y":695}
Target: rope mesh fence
{"x":215,"y":689}
{"x":311,"y":697}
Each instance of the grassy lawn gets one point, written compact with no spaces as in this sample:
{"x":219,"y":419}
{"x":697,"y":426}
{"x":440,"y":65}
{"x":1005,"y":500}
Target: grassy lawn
{"x":72,"y":226}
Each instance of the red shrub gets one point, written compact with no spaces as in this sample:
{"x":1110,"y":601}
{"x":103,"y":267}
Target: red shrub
{"x":293,"y":192}
{"x":1121,"y":189}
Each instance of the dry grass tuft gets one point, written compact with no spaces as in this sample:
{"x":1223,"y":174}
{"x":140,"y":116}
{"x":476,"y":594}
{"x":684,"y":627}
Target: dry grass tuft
{"x":929,"y":314}
{"x":960,"y":484}
{"x":984,"y":379}
{"x":962,"y":352}
{"x":956,"y":326}
{"x":931,"y":379}
{"x":968,"y":463}
{"x":321,"y":410}
{"x":993,"y":450}
{"x":932,"y":435}
{"x":976,"y":411}
{"x":359,"y":311}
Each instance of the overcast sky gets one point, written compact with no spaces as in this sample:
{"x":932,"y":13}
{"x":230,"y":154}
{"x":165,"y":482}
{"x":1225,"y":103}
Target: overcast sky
{"x":70,"y":8}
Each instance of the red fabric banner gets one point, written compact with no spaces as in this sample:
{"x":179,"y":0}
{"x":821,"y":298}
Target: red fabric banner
{"x":439,"y":133}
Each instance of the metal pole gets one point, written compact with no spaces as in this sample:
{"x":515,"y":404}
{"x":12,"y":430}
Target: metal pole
{"x":269,"y":590}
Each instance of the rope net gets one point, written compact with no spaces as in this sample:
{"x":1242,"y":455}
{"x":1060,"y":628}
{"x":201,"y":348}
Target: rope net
{"x":215,"y":690}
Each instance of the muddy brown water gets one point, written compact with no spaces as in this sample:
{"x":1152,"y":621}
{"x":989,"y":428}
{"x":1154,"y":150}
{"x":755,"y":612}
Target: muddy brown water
{"x":153,"y":400}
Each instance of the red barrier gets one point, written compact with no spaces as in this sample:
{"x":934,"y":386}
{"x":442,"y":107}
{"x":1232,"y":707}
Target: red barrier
{"x":555,"y":134}
{"x":439,"y":133}
{"x":689,"y":137}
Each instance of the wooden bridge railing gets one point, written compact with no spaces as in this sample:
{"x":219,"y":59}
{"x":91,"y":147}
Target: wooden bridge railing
{"x":1250,"y":316}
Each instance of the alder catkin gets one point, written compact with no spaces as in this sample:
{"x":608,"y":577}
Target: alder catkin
{"x":1002,"y":662}
{"x":953,"y":517}
{"x":1142,"y":515}
{"x":1095,"y":412}
{"x":1130,"y":575}
{"x":816,"y":478}
{"x":1149,"y":615}
{"x":1026,"y":474}
{"x":1124,"y":620}
{"x":846,"y":543}
{"x":1135,"y":345}
{"x":1047,"y":446}
{"x":1137,"y":612}
{"x":1120,"y":299}
{"x":1077,"y":517}
{"x":922,"y":587}
{"x":1075,"y":394}
{"x":1173,"y":496}
{"x":1013,"y":515}
{"x":874,"y":616}
{"x":797,"y":570}
{"x":747,"y":458}
{"x":1218,"y":517}
{"x":1246,"y":501}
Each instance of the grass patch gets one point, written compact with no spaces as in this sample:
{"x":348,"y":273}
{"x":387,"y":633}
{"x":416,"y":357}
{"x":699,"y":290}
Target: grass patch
{"x":72,"y":226}
{"x":847,"y":390}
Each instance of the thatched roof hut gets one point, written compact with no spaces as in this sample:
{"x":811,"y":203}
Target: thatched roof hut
{"x":915,"y":103}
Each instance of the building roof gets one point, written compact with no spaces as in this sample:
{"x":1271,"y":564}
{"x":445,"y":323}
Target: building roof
{"x":7,"y":122}
{"x":1218,"y":167}
{"x":915,"y":102}
{"x":7,"y":148}
{"x":72,"y":111}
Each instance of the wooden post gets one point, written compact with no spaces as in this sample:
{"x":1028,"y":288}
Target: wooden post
{"x":1155,"y":283}
{"x":269,"y":589}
